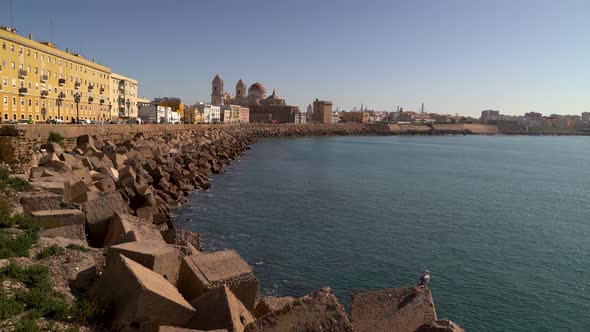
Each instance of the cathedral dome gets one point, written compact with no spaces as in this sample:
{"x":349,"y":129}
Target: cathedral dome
{"x":257,"y":87}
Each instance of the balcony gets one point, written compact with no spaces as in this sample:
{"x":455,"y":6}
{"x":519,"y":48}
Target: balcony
{"x":122,"y":86}
{"x":22,"y":91}
{"x":43,"y":78}
{"x":121,"y":101}
{"x":102,"y":101}
{"x":101,"y":91}
{"x":62,"y":81}
{"x":90,"y":87}
{"x":77,"y":85}
{"x":44,"y":94}
{"x":22,"y":73}
{"x":90,"y":100}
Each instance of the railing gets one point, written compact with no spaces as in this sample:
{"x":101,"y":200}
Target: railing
{"x":44,"y":94}
{"x":90,"y":99}
{"x":102,"y":101}
{"x":43,"y":78}
{"x":76,"y":85}
{"x":90,"y":87}
{"x":22,"y":73}
{"x":101,"y":91}
{"x":22,"y":91}
{"x":62,"y":81}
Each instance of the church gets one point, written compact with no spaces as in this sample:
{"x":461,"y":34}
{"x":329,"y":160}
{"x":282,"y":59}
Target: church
{"x":263,"y":109}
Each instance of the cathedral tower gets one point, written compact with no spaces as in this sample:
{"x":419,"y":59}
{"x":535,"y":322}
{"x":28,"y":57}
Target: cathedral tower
{"x":240,"y":89}
{"x":217,"y":91}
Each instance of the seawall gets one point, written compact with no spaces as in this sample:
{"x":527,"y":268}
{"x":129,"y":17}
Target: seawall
{"x":17,"y":142}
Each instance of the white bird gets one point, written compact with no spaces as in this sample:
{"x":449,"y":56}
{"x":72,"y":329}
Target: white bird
{"x":425,"y":278}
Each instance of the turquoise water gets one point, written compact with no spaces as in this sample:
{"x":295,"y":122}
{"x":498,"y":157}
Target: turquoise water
{"x":502,"y":223}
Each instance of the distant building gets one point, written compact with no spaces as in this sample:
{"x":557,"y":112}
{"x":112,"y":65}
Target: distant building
{"x":235,"y":114}
{"x":322,"y":111}
{"x":192,"y":115}
{"x":358,"y":117}
{"x":586,"y":116}
{"x":488,"y":115}
{"x":209,"y":113}
{"x":158,"y":114}
{"x":413,"y":117}
{"x":124,"y":96}
{"x":301,"y":118}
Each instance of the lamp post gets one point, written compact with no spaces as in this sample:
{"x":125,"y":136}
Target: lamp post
{"x":77,"y":101}
{"x":59,"y":100}
{"x":128,"y":106}
{"x":110,"y":115}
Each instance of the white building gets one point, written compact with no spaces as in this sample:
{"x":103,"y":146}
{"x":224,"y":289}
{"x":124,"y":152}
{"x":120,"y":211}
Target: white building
{"x":211,"y":113}
{"x":123,"y":96}
{"x":158,"y":114}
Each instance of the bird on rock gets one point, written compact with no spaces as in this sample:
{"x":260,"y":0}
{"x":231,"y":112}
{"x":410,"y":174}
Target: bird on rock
{"x":425,"y":278}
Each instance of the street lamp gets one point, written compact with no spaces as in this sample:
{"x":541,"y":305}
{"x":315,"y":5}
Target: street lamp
{"x":60,"y":98}
{"x":77,"y":101}
{"x":128,"y":105}
{"x":110,"y":106}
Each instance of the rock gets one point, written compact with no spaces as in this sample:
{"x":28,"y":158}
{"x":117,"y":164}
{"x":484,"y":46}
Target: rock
{"x":75,"y":232}
{"x":219,"y":308}
{"x":395,"y":309}
{"x":179,"y":329}
{"x":59,"y":166}
{"x":84,"y":139}
{"x":99,"y":213}
{"x":119,"y":160}
{"x":181,"y":237}
{"x":81,"y":192}
{"x":441,"y":325}
{"x":271,"y":303}
{"x":159,"y":258}
{"x":140,"y":298}
{"x":84,"y":278}
{"x":318,"y":311}
{"x":200,"y":273}
{"x":127,"y":228}
{"x":42,"y":201}
{"x":105,"y":183}
{"x":59,"y":218}
{"x":48,"y":158}
{"x":126,"y":172}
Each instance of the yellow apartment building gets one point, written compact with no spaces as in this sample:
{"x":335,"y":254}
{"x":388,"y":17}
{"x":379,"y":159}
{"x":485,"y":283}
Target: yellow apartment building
{"x":41,"y":82}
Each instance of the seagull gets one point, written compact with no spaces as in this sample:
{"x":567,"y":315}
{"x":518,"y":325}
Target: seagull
{"x":425,"y":278}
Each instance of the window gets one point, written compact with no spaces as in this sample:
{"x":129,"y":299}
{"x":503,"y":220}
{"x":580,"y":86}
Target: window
{"x":35,"y":55}
{"x":13,"y":83}
{"x":13,"y":65}
{"x":29,"y":69}
{"x":37,"y":117}
{"x":12,"y":48}
{"x":30,"y":102}
{"x":30,"y":85}
{"x":36,"y":86}
{"x":36,"y":70}
{"x":5,"y":100}
{"x":14,"y":116}
{"x":13,"y":100}
{"x":20,"y":50}
{"x":4,"y":81}
{"x":22,"y":116}
{"x":42,"y":57}
{"x":37,"y":102}
{"x":28,"y":52}
{"x":5,"y":116}
{"x":3,"y":45}
{"x":22,"y":101}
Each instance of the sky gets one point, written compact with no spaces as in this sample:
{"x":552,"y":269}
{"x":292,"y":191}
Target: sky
{"x":455,"y":56}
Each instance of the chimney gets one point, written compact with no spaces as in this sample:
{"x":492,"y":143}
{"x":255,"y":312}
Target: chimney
{"x":67,"y":50}
{"x":30,"y":36}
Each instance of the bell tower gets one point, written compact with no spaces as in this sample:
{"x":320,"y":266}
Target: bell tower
{"x":217,"y":91}
{"x":241,"y":89}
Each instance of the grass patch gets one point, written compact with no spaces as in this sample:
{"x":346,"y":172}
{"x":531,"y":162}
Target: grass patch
{"x":4,"y":172}
{"x":39,"y":299}
{"x":52,"y":250}
{"x":74,"y":246}
{"x":57,"y":138}
{"x":14,"y":244}
{"x":15,"y":183}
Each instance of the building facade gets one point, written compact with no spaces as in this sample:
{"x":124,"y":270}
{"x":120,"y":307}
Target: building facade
{"x":124,"y":97}
{"x":322,"y":111}
{"x":235,"y":114}
{"x":40,"y":82}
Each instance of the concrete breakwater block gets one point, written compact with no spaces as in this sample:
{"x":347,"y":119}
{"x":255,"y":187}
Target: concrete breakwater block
{"x":219,"y":308}
{"x":99,"y":213}
{"x":395,"y":309}
{"x":203,"y":272}
{"x":142,"y":299}
{"x":59,"y":218}
{"x":318,"y":311}
{"x":127,"y":228}
{"x":271,"y":303}
{"x":160,"y":258}
{"x":441,"y":325}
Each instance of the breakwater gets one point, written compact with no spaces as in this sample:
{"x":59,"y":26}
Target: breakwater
{"x":19,"y":142}
{"x":118,"y":196}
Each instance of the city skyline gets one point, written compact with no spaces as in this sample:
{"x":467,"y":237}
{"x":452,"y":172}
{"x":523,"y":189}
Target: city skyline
{"x":452,"y":56}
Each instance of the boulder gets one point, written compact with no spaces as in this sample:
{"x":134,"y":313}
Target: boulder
{"x":74,"y":232}
{"x":180,"y":329}
{"x":182,"y":237}
{"x":42,"y":201}
{"x":219,"y":308}
{"x":127,"y":228}
{"x":81,"y":192}
{"x":84,"y":278}
{"x":157,"y":257}
{"x":318,"y":311}
{"x":52,"y":147}
{"x":271,"y":303}
{"x":105,"y":183}
{"x":84,"y":139}
{"x":201,"y":273}
{"x":140,"y":298}
{"x":46,"y":159}
{"x":59,"y":218}
{"x":441,"y":325}
{"x":99,"y":213}
{"x":395,"y":309}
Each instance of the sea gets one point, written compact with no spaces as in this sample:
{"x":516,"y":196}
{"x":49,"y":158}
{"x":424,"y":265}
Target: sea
{"x":501,"y":222}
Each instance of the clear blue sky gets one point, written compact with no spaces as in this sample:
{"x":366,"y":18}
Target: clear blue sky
{"x":455,"y":56}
